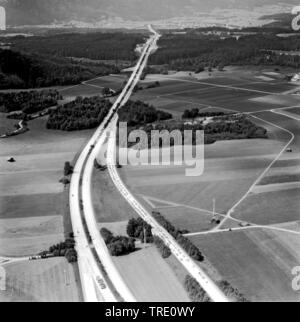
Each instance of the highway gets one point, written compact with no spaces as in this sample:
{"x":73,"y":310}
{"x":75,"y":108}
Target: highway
{"x":194,"y":270}
{"x":87,"y":236}
{"x":81,"y":188}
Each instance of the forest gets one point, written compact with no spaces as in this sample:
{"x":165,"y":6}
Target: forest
{"x":192,"y":51}
{"x":220,"y":127}
{"x":80,"y":114}
{"x":137,"y":113}
{"x":94,"y":45}
{"x":28,"y":102}
{"x":26,"y":70}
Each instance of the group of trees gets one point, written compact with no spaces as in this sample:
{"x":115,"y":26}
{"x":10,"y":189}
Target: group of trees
{"x":28,"y":101}
{"x":195,"y":291}
{"x":161,"y":246}
{"x":137,"y":113}
{"x":137,"y":228}
{"x":118,"y":245}
{"x":221,"y":127}
{"x":195,"y":112}
{"x":81,"y":114}
{"x":192,"y":51}
{"x":68,"y":170}
{"x":197,"y":294}
{"x":234,"y":127}
{"x":64,"y":249}
{"x":184,"y":242}
{"x":27,"y":70}
{"x":231,"y":292}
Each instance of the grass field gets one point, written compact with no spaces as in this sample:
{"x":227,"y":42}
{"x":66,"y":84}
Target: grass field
{"x":150,"y":277}
{"x":112,"y":81}
{"x":81,"y":90}
{"x":52,"y":280}
{"x":270,"y":207}
{"x":190,"y":219}
{"x":29,"y":236}
{"x":241,"y":92}
{"x":230,"y":169}
{"x":32,"y":202}
{"x":6,"y":125}
{"x":93,"y":87}
{"x":295,"y":110}
{"x":108,"y":203}
{"x":258,"y":262}
{"x":275,"y":204}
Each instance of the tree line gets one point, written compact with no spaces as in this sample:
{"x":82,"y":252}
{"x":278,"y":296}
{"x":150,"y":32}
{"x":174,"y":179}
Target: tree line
{"x":96,"y":46}
{"x":80,"y":114}
{"x":137,"y":228}
{"x":184,"y":242}
{"x":118,"y":245}
{"x":137,"y":113}
{"x":63,"y":249}
{"x":195,"y":112}
{"x":197,"y":293}
{"x":27,"y":70}
{"x":28,"y":101}
{"x":192,"y":51}
{"x":221,"y":127}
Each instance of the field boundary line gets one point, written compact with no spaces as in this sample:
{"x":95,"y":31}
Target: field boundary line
{"x":225,"y":86}
{"x":232,"y":209}
{"x":268,"y":227}
{"x":287,"y":115}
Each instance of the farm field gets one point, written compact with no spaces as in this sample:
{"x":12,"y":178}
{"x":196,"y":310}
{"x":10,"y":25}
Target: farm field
{"x":30,"y":194}
{"x":51,"y":280}
{"x":227,"y":176}
{"x":186,"y":218}
{"x":295,"y":110}
{"x":81,"y":90}
{"x":6,"y":125}
{"x":33,"y":211}
{"x":109,"y":205}
{"x":276,"y":197}
{"x":258,"y":262}
{"x":114,"y":82}
{"x":150,"y":277}
{"x":270,"y":207}
{"x":93,"y":87}
{"x":230,"y":92}
{"x":27,"y":236}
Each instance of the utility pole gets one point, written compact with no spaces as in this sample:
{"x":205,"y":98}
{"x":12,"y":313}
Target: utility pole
{"x":145,"y":237}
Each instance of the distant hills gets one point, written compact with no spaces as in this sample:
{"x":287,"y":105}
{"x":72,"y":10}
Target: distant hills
{"x":43,"y":12}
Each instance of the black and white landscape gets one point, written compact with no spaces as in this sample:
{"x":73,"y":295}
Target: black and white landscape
{"x":77,"y":224}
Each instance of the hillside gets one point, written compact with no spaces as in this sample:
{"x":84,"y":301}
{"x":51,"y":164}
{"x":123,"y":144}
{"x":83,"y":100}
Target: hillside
{"x":33,"y":12}
{"x":20,"y":70}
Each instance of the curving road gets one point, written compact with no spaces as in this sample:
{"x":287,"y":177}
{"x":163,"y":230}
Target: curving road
{"x":81,"y":188}
{"x":94,"y":285}
{"x":203,"y":279}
